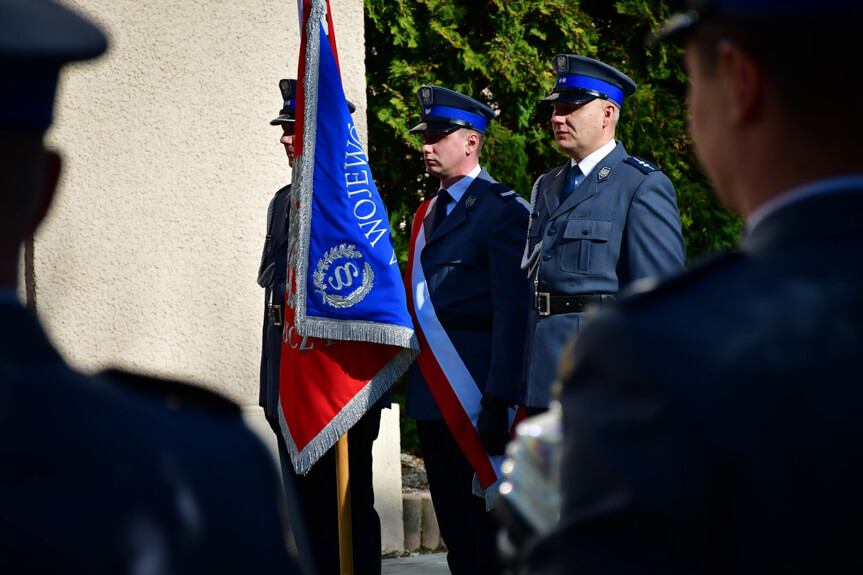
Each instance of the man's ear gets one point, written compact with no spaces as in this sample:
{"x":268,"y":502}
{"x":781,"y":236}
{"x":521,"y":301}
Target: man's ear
{"x":744,"y":81}
{"x":608,"y":113}
{"x":471,"y":142}
{"x":50,"y":177}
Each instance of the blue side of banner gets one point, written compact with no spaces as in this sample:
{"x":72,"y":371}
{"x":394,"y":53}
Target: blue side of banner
{"x":352,"y":272}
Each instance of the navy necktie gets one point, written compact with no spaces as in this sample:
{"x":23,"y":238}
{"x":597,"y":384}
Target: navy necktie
{"x":439,"y":214}
{"x":575,"y":177}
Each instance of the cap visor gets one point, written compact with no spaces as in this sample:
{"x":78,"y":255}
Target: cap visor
{"x":438,"y":127}
{"x":282,"y":119}
{"x":569,"y":98}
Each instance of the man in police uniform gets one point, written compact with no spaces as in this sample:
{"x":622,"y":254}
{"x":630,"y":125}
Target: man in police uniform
{"x":316,"y":490}
{"x":599,"y":222}
{"x":713,"y":425}
{"x":473,"y":240}
{"x":99,"y":474}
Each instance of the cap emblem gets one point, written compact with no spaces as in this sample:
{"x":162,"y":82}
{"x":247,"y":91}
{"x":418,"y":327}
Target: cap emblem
{"x":286,"y":89}
{"x":560,"y":64}
{"x":426,"y":95}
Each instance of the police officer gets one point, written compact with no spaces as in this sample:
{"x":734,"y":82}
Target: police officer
{"x":273,"y":271}
{"x":99,"y":474}
{"x":713,"y":424}
{"x":473,"y":238}
{"x":599,"y":221}
{"x":316,"y":491}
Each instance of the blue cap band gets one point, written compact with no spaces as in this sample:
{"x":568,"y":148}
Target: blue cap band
{"x":587,"y":83}
{"x":475,"y":120}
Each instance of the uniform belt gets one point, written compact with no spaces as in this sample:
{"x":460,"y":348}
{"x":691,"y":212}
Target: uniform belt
{"x":548,"y":304}
{"x":276,"y":313}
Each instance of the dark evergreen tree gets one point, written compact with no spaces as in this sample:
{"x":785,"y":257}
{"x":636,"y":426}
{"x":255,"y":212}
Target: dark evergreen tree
{"x":499,"y":52}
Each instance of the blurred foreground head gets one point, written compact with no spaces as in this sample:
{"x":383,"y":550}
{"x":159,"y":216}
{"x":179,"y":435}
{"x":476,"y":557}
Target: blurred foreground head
{"x":772,"y":98}
{"x":37,"y":38}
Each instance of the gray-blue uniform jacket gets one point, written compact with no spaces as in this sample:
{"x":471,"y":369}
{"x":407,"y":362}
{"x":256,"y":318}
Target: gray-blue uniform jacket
{"x":480,"y":293}
{"x":275,"y":261}
{"x":621,"y":224}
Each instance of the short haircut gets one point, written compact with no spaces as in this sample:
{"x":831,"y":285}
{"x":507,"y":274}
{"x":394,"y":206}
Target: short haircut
{"x":811,"y":63}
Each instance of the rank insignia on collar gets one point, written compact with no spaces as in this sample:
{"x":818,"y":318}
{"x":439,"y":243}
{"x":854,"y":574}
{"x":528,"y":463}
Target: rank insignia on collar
{"x":603,"y":173}
{"x":470,"y":201}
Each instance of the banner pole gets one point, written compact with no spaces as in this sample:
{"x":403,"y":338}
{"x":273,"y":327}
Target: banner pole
{"x":346,"y":554}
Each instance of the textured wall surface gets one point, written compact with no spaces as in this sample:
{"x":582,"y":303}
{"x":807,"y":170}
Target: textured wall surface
{"x":149,"y":257}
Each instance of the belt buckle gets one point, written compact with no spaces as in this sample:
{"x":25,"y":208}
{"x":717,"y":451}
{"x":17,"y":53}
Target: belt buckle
{"x":543,"y":303}
{"x":276,"y":317}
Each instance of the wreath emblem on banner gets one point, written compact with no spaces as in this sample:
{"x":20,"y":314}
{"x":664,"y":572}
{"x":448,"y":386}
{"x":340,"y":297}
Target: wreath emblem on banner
{"x":337,"y":277}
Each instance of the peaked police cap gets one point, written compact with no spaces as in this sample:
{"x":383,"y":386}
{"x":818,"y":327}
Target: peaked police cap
{"x":288,"y":113}
{"x":581,"y":79}
{"x":695,"y":11}
{"x":445,"y":111}
{"x":37,"y":37}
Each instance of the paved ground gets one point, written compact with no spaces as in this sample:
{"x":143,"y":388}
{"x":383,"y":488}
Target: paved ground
{"x":429,"y":564}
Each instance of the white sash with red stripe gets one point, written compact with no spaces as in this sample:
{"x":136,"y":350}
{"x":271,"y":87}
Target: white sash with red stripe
{"x":451,"y":384}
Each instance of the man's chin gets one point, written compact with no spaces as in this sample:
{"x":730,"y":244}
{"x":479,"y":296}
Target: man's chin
{"x":566,"y":145}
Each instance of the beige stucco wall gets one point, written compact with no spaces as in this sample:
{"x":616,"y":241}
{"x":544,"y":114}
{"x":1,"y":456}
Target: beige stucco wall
{"x":149,"y":257}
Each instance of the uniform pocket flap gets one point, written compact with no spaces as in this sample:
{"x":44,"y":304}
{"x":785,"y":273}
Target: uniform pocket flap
{"x":593,"y":230}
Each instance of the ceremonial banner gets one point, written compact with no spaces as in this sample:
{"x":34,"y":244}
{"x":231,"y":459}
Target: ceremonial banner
{"x":348,"y":335}
{"x":451,"y":384}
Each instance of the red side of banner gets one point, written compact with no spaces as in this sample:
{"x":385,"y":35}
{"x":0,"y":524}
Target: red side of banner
{"x":319,"y":377}
{"x":331,"y":34}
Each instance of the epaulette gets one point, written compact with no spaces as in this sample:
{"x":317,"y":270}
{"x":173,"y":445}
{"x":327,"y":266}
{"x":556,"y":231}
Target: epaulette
{"x":505,"y":193}
{"x":174,"y":394}
{"x":643,"y":165}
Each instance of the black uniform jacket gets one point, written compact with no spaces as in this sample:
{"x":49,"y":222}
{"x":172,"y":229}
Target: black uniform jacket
{"x":480,"y":293}
{"x":102,"y":476}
